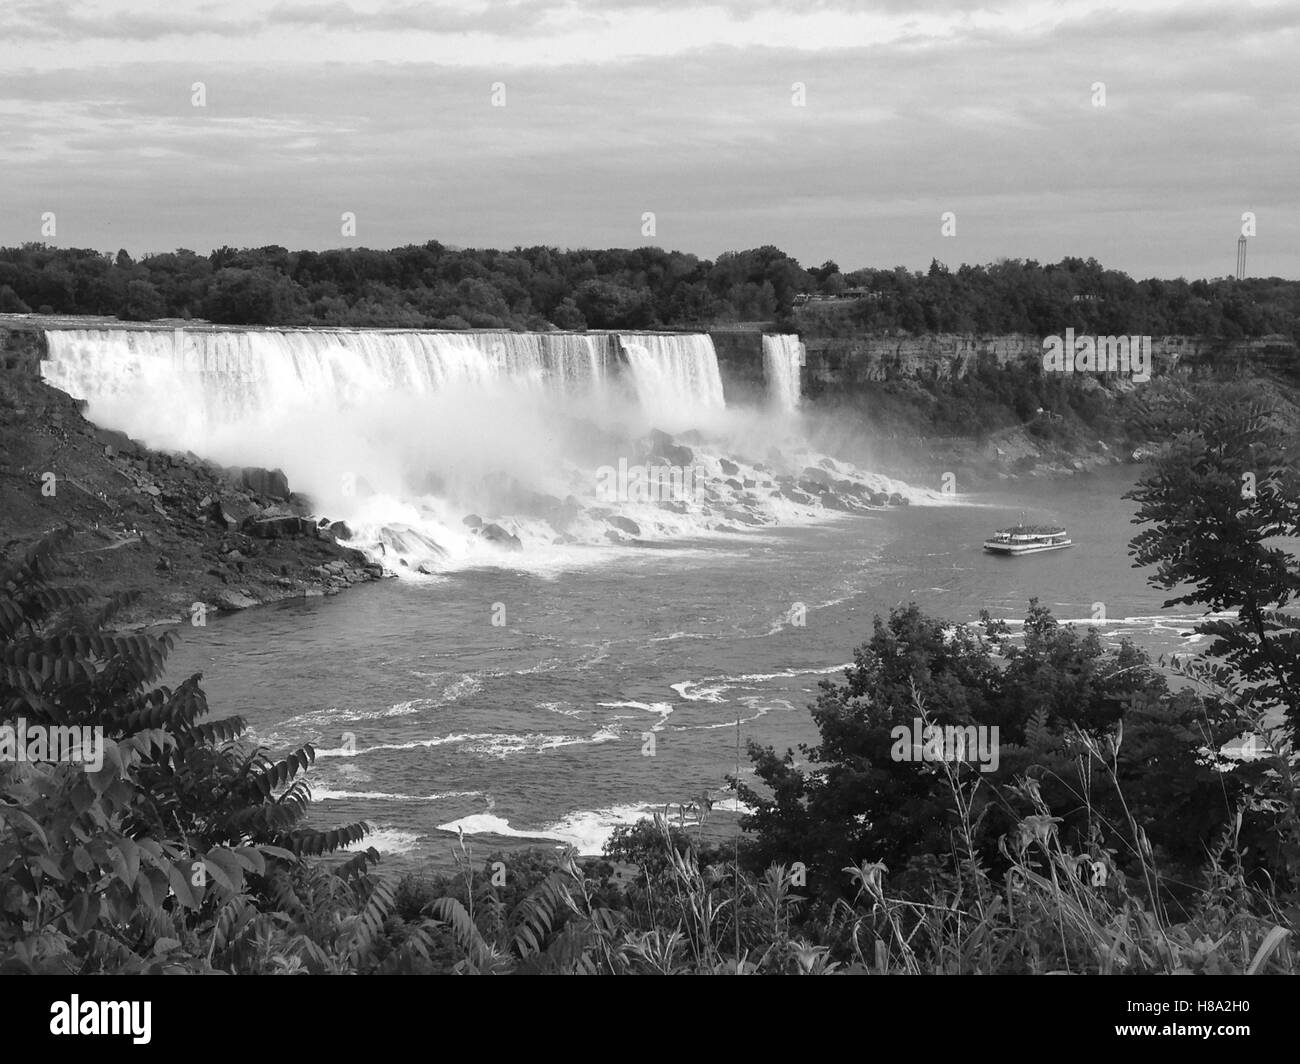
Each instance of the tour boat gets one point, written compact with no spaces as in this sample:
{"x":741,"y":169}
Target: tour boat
{"x":1027,"y":539}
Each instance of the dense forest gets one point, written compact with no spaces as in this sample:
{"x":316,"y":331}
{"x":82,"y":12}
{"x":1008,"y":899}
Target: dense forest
{"x":433,"y":286}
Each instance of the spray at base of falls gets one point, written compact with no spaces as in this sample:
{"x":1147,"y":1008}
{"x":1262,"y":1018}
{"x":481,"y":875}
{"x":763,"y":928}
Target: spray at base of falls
{"x":447,"y":450}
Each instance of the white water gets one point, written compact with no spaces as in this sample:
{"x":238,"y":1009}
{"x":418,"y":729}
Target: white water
{"x":783,"y":355}
{"x":677,"y":378}
{"x":184,"y":389}
{"x":404,"y":435}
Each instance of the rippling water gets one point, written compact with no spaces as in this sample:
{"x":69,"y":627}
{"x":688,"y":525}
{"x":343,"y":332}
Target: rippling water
{"x":427,"y":716}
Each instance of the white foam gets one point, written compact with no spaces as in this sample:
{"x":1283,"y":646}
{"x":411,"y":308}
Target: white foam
{"x":388,"y":840}
{"x":586,"y":831}
{"x":321,"y":793}
{"x":713,"y":688}
{"x":661,"y":709}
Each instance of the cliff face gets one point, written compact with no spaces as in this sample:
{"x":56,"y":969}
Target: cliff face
{"x":839,"y":367}
{"x":740,"y":363}
{"x":22,"y":346}
{"x":846,"y":365}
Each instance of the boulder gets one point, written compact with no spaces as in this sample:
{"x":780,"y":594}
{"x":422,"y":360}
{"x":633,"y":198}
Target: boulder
{"x":895,"y":499}
{"x":233,"y":600}
{"x":797,"y":496}
{"x":729,"y":468}
{"x":473,"y":521}
{"x":833,"y":502}
{"x":279,"y":527}
{"x":817,"y":476}
{"x":341,"y":530}
{"x":269,"y":482}
{"x":228,"y":512}
{"x":662,"y":446}
{"x":625,"y":525}
{"x":494,"y":533}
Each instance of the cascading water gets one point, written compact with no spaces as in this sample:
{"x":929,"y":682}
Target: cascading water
{"x":676,"y":377}
{"x":416,"y":439}
{"x":783,"y":355}
{"x":182,"y":389}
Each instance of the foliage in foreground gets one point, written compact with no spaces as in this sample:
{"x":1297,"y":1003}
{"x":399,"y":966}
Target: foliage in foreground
{"x":186,"y":849}
{"x":1116,"y":834}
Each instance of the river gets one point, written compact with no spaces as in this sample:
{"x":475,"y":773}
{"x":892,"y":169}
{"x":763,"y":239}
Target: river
{"x":613,"y":683}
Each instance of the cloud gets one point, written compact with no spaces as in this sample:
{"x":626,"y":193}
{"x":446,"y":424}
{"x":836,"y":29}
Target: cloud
{"x":995,"y":123}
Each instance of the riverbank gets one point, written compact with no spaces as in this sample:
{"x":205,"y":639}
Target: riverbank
{"x":987,"y":427}
{"x":189,"y":537}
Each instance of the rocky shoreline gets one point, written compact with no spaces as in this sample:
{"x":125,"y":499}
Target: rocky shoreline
{"x":189,"y":538}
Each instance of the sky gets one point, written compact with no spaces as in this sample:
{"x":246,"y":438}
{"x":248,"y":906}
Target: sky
{"x":1135,"y":132}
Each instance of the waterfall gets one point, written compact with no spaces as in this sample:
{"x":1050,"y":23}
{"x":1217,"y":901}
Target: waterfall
{"x":401,"y":433}
{"x":676,"y":377}
{"x":177,"y":389}
{"x":418,"y":440}
{"x":783,"y":355}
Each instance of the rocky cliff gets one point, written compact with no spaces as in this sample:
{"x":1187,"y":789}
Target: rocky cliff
{"x":838,"y":364}
{"x":188,"y":536}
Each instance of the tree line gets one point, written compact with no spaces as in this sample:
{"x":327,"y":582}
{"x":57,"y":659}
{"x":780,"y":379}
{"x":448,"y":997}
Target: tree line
{"x":434,"y":286}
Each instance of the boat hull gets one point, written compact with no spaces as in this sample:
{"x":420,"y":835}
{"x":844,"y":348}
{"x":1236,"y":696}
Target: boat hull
{"x":1024,"y":548}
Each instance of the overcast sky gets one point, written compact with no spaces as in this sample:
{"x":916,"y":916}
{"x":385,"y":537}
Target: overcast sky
{"x":912,"y":108}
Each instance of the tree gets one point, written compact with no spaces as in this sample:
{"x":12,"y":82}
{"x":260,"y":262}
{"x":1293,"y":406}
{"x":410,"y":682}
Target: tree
{"x":568,"y":316}
{"x":143,"y":302}
{"x":857,"y":800}
{"x":251,"y":297}
{"x":10,"y":303}
{"x":177,"y":844}
{"x":606,"y":305}
{"x":1218,"y":497}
